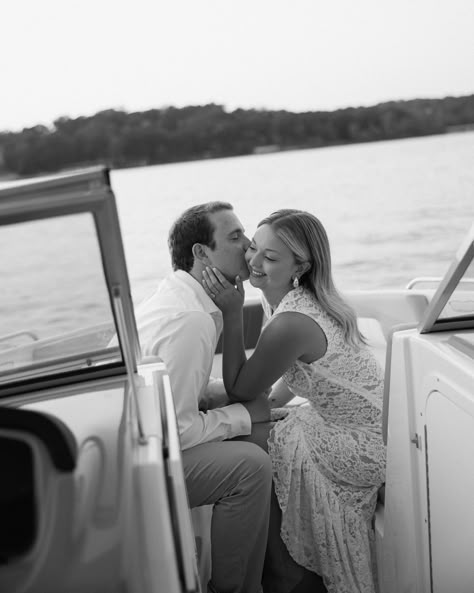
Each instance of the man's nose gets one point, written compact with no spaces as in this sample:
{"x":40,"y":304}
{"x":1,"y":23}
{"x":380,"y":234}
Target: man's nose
{"x":246,"y":242}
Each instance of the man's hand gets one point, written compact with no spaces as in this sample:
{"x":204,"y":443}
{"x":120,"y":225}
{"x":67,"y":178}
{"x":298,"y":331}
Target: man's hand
{"x":215,"y":395}
{"x":280,"y":395}
{"x":211,"y":401}
{"x":259,"y":408}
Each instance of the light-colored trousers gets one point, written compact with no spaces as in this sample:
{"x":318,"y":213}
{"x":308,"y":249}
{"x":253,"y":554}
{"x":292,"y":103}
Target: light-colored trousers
{"x":235,"y":477}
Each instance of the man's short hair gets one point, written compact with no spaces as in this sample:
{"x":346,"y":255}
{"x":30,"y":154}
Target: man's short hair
{"x":193,"y":226}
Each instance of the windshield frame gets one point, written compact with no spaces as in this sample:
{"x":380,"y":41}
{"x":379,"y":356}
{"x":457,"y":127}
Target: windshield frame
{"x":85,"y":191}
{"x":432,"y":321}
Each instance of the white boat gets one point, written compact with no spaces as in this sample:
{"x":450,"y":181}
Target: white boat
{"x":92,"y":494}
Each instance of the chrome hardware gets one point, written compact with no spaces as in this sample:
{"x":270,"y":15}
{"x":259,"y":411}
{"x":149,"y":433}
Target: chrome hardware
{"x":416,"y":440}
{"x":129,"y":358}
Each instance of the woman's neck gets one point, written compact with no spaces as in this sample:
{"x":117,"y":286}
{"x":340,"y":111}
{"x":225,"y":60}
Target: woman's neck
{"x":274,"y":298}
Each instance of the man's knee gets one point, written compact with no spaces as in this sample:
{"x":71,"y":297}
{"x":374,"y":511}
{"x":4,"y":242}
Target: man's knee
{"x":257,"y":462}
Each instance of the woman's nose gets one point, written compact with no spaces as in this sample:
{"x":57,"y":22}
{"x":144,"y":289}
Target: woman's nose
{"x":254,"y":260}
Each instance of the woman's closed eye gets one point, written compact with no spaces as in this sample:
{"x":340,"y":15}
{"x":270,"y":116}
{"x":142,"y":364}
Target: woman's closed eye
{"x":253,"y":248}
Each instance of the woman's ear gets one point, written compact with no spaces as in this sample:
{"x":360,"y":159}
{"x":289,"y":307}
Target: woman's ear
{"x":303,"y":268}
{"x":199,"y":253}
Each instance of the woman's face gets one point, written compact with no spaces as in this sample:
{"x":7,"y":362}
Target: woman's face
{"x":271,"y":263}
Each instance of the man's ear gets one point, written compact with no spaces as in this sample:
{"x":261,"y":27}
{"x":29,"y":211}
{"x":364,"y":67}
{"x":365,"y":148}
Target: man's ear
{"x":199,"y":253}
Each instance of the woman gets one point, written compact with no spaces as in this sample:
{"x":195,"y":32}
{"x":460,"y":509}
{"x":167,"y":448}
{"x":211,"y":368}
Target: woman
{"x":328,"y":457}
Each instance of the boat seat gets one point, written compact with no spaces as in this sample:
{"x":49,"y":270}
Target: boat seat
{"x":20,"y":431}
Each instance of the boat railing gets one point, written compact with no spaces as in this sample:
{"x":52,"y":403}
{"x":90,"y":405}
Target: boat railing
{"x":435,"y":281}
{"x":8,"y":337}
{"x":13,"y":355}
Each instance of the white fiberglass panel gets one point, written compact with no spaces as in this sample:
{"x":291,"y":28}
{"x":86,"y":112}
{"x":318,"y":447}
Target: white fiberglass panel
{"x":450,"y":451}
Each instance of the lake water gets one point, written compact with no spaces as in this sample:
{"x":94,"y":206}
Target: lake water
{"x":393,"y":211}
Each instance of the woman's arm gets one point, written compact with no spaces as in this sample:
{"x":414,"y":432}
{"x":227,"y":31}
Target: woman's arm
{"x":288,"y":337}
{"x":285,"y":339}
{"x":230,"y":300}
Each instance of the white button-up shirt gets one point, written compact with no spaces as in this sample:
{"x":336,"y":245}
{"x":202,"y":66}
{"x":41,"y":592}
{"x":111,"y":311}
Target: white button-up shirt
{"x":180,"y":324}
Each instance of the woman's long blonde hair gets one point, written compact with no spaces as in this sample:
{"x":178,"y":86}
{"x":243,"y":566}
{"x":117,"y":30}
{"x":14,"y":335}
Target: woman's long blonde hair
{"x":306,"y":237}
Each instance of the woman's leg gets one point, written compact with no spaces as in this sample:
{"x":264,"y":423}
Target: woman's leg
{"x":280,"y":571}
{"x":281,"y":574}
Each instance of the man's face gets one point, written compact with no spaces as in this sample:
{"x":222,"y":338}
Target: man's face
{"x":231,"y":244}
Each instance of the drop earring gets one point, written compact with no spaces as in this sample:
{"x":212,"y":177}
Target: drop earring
{"x":296,"y":282}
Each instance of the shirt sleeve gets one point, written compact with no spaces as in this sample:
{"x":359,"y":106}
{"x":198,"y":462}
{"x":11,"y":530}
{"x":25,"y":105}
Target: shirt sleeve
{"x":215,"y":395}
{"x":186,"y":346}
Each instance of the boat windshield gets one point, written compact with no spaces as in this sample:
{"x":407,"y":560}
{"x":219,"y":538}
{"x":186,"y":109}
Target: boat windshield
{"x":461,"y":302}
{"x":63,"y":283}
{"x":452,"y":306}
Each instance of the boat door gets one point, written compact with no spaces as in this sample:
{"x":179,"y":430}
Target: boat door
{"x":428,"y":538}
{"x":92,"y":490}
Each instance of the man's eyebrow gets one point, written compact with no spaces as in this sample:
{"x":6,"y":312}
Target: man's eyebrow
{"x":238,"y":231}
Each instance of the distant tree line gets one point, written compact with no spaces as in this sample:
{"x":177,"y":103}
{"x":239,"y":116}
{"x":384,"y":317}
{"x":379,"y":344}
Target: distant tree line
{"x":171,"y":134}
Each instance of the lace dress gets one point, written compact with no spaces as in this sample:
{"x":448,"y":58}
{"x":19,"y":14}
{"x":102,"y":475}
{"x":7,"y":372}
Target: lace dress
{"x":328,"y":457}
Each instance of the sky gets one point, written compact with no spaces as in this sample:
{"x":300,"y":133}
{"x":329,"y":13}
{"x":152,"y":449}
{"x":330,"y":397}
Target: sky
{"x":71,"y":58}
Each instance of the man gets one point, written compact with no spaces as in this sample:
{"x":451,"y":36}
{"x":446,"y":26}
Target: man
{"x":181,"y":325}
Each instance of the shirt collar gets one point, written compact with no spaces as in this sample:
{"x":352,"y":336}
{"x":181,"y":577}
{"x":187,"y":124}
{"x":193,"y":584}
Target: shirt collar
{"x":201,"y":295}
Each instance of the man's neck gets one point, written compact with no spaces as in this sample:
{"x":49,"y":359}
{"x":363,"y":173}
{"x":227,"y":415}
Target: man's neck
{"x":196,"y":272}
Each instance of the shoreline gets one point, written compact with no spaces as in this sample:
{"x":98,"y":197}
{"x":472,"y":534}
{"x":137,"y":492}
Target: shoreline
{"x":260,"y":151}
